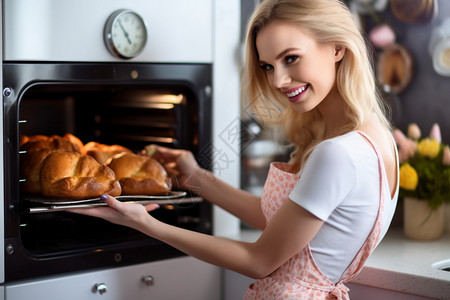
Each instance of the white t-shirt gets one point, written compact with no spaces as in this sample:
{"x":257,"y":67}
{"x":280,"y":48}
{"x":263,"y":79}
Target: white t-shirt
{"x":340,"y":184}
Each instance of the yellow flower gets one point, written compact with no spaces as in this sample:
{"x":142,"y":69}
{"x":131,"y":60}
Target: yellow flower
{"x":428,"y":147}
{"x":408,"y":177}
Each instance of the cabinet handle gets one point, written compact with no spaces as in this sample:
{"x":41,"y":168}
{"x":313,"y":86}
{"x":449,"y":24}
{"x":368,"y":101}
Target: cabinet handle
{"x":101,"y":288}
{"x":148,"y":280}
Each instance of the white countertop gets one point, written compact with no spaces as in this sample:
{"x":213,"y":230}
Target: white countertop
{"x":402,"y":265}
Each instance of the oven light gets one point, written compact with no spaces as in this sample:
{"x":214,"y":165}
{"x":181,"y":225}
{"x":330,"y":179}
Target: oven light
{"x":175,"y":99}
{"x":168,"y":98}
{"x":160,"y":105}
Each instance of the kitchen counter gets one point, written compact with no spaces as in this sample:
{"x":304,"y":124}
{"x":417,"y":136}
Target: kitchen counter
{"x":402,"y":265}
{"x":406,"y":266}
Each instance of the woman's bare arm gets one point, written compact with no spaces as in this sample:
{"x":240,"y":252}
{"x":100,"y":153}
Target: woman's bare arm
{"x":289,"y":231}
{"x":188,"y":175}
{"x":245,"y":206}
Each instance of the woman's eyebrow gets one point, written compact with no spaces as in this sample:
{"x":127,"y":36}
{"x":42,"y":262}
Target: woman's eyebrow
{"x":285,"y":52}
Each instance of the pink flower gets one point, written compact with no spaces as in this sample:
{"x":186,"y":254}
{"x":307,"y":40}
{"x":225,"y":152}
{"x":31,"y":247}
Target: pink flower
{"x":446,"y":157}
{"x":435,"y":133}
{"x":406,"y":146}
{"x":414,"y":131}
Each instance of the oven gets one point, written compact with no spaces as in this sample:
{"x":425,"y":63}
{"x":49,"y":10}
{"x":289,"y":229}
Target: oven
{"x":165,"y":105}
{"x":73,"y":81}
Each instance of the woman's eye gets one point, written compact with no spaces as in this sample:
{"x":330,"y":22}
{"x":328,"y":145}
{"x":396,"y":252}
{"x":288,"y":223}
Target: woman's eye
{"x":290,"y":59}
{"x":266,"y":67}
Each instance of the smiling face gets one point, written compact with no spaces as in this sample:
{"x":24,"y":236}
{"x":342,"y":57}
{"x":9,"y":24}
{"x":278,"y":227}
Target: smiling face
{"x":297,"y":65}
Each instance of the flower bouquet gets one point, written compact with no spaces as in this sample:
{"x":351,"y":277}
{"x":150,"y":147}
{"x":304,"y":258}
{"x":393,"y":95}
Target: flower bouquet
{"x":424,"y":181}
{"x":424,"y":165}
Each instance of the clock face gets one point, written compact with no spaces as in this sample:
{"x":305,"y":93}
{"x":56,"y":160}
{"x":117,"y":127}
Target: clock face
{"x":125,"y":34}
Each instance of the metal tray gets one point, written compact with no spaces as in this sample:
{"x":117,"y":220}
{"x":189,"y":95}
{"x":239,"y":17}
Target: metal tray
{"x":169,"y":195}
{"x":173,"y":198}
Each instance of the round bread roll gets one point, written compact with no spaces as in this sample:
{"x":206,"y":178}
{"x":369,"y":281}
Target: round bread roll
{"x":102,"y":153}
{"x":30,"y":168}
{"x":69,"y":175}
{"x":140,"y":175}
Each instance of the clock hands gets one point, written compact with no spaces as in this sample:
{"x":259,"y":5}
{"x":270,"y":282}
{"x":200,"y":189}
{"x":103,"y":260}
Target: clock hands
{"x":124,"y":32}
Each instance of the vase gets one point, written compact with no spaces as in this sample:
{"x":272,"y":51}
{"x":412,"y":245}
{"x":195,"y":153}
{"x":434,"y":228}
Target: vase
{"x":420,"y":222}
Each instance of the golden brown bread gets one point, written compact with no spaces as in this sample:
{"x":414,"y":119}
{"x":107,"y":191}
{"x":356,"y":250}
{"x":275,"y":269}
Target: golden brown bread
{"x":39,"y":137}
{"x":54,"y":142}
{"x":76,"y":141}
{"x":30,"y":168}
{"x":69,"y":175}
{"x":102,"y":153}
{"x":140,"y":175}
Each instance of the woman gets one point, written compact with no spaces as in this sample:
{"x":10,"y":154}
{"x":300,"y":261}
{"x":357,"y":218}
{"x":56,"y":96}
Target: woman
{"x":323,"y":212}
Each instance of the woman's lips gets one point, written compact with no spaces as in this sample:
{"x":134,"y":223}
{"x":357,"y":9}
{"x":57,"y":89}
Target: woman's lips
{"x":295,"y":94}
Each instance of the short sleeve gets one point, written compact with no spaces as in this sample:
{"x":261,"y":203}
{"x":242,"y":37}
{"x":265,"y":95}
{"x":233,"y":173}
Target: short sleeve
{"x":327,"y":178}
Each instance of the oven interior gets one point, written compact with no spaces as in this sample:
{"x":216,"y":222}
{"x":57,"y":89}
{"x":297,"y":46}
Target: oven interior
{"x":169,"y":113}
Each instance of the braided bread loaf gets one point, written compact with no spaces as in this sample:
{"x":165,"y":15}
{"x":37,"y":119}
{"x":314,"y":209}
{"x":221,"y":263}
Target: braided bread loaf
{"x":102,"y":152}
{"x":140,"y":175}
{"x":68,"y":142}
{"x":70,"y":175}
{"x":36,"y":148}
{"x":30,"y":169}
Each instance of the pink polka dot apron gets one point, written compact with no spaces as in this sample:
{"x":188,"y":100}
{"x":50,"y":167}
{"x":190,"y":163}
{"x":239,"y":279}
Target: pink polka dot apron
{"x":300,"y":277}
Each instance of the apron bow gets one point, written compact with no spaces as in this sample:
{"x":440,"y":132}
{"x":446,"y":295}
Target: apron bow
{"x":340,"y":291}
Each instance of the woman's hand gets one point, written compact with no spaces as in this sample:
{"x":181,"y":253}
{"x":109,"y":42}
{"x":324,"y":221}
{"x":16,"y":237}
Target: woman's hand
{"x":179,"y":164}
{"x":132,"y":215}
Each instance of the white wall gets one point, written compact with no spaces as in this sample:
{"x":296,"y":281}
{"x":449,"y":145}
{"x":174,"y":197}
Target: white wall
{"x":226,"y":121}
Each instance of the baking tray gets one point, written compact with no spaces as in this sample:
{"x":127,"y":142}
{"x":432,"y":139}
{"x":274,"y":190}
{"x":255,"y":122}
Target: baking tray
{"x":172,"y":198}
{"x":169,"y":195}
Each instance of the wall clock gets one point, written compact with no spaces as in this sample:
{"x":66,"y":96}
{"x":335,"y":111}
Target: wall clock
{"x":125,"y":34}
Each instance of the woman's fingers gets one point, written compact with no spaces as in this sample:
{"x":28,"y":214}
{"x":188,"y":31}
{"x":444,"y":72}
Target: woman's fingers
{"x":151,"y":207}
{"x":113,"y":209}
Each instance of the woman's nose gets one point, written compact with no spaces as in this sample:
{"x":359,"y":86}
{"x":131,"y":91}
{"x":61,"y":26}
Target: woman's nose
{"x":281,"y":78}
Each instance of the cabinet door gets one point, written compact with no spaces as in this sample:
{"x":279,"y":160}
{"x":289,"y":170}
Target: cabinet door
{"x":180,"y":278}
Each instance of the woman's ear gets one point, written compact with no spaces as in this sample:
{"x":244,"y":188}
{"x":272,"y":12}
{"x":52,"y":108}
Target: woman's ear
{"x":339,"y":52}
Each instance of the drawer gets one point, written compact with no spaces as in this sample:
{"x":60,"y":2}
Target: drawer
{"x":180,"y":278}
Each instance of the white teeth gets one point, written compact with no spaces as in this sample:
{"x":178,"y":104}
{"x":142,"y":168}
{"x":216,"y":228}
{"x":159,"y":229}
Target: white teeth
{"x":295,"y":93}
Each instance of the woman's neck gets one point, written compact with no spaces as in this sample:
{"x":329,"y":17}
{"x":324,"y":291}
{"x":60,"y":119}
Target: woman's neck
{"x":334,"y":113}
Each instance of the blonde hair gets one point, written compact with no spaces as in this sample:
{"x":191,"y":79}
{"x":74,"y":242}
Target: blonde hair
{"x":328,"y":21}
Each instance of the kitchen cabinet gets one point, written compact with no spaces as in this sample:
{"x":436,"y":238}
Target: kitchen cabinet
{"x":180,"y":278}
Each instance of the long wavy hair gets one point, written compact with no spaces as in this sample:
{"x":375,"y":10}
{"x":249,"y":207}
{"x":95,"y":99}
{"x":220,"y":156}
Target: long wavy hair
{"x":329,"y":21}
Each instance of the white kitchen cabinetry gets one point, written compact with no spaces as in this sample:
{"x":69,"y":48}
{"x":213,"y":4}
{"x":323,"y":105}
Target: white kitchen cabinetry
{"x":179,"y":278}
